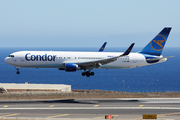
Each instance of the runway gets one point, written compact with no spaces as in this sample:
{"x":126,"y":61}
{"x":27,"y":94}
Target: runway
{"x":134,"y":108}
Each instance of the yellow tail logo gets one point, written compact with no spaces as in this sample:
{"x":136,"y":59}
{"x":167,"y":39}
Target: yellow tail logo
{"x":159,"y":42}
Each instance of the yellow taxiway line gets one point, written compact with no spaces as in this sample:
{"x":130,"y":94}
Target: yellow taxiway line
{"x":57,"y":116}
{"x":10,"y":115}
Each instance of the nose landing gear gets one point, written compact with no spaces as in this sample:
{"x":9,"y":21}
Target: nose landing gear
{"x":17,"y":71}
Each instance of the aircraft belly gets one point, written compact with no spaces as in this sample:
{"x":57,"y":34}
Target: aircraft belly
{"x":112,"y":67}
{"x":44,"y":66}
{"x":40,"y":64}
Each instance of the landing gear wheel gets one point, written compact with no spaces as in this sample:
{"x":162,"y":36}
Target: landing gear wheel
{"x":83,"y":73}
{"x":88,"y":74}
{"x":92,"y":73}
{"x":18,"y":72}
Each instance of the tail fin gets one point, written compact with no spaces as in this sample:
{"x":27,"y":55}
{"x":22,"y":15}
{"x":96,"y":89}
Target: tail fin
{"x":156,"y":46}
{"x":102,"y":47}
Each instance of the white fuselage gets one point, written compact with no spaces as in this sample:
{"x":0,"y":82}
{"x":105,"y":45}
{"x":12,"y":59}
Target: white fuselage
{"x":55,"y":59}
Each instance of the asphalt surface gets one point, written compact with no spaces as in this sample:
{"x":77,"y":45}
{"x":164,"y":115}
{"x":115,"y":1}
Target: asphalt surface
{"x":134,"y":108}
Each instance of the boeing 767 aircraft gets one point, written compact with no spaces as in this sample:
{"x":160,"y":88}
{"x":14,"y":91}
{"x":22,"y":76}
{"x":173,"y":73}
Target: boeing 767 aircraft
{"x":87,"y":61}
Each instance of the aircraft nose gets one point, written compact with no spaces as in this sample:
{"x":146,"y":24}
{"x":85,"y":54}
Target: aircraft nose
{"x":6,"y":60}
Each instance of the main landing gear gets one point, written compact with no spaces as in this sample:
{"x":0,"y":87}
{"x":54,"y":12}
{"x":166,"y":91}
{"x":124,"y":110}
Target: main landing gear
{"x":17,"y":71}
{"x":88,"y":73}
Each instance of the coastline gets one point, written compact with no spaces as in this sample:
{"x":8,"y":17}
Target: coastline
{"x":82,"y":94}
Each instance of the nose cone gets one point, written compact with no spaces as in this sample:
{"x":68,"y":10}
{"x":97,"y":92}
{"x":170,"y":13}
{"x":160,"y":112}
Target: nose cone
{"x":7,"y":60}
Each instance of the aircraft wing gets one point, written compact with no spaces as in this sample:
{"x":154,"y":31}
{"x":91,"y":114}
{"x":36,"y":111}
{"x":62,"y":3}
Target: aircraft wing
{"x":98,"y":63}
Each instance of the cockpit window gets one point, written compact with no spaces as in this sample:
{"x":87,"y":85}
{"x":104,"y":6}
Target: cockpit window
{"x":11,"y":56}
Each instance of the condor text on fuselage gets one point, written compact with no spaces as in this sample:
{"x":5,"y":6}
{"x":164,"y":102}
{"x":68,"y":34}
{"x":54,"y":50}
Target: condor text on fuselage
{"x":45,"y":57}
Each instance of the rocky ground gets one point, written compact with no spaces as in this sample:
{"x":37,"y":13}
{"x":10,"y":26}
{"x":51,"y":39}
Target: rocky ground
{"x":77,"y":94}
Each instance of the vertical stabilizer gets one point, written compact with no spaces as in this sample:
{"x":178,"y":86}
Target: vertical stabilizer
{"x":102,"y":47}
{"x":156,"y":46}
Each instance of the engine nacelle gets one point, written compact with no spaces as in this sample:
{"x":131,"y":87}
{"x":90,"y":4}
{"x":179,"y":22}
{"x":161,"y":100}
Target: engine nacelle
{"x":71,"y":67}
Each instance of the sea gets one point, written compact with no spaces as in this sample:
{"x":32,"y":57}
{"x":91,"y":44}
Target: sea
{"x":162,"y":77}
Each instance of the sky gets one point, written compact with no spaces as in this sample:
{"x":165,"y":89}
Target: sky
{"x":87,"y":23}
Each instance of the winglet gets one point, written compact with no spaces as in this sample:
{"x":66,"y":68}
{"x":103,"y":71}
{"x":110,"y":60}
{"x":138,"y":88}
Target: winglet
{"x":102,"y":47}
{"x":128,"y":50}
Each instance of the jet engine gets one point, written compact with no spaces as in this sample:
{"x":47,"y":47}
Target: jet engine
{"x":71,"y":67}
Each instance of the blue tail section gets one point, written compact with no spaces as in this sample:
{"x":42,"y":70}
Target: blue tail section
{"x":156,"y":46}
{"x":102,"y":48}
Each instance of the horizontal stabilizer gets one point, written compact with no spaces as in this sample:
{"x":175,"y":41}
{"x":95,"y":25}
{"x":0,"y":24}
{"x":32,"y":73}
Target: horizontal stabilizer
{"x":158,"y":58}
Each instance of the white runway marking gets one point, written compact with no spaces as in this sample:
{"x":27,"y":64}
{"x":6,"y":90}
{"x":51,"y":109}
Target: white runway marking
{"x":92,"y":108}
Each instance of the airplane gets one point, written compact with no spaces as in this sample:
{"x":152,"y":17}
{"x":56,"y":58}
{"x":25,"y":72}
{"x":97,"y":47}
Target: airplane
{"x":70,"y":61}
